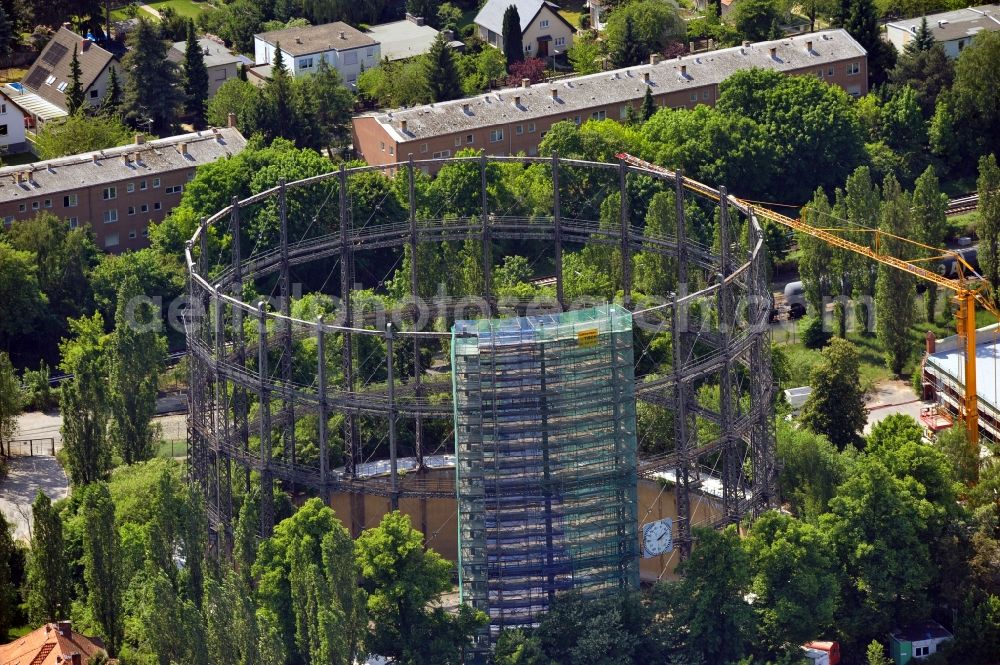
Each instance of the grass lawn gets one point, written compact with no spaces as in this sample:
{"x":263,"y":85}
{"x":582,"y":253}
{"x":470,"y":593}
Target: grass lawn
{"x":186,"y":8}
{"x":172,"y":449}
{"x":572,"y":16}
{"x":964,"y":224}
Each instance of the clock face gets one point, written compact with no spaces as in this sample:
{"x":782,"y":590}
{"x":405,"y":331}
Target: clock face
{"x":657,"y":538}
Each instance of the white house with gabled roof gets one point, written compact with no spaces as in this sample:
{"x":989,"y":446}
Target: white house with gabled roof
{"x":544,"y":32}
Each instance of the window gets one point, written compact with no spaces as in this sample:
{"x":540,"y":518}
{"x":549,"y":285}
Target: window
{"x":156,"y":206}
{"x":531,"y":128}
{"x":544,"y":23}
{"x":305,"y":63}
{"x":93,"y":94}
{"x":694,"y":96}
{"x":351,"y":58}
{"x":560,"y":41}
{"x":370,"y":52}
{"x":577,"y":120}
{"x":142,"y":185}
{"x":496,"y":135}
{"x":392,"y":150}
{"x":853,"y":69}
{"x":109,"y":193}
{"x":3,"y":108}
{"x":221,"y":75}
{"x":458,"y":141}
{"x":35,"y":205}
{"x":442,"y":154}
{"x":519,"y":130}
{"x":130,"y":187}
{"x":599,"y":115}
{"x":145,"y":232}
{"x":961,"y":44}
{"x":50,"y":80}
{"x":131,"y":234}
{"x":8,"y":220}
{"x":829,"y":71}
{"x":69,"y":201}
{"x":190,"y":176}
{"x":177,"y":189}
{"x":819,"y":72}
{"x":48,"y":203}
{"x":469,"y":139}
{"x":527,"y":48}
{"x":922,"y":651}
{"x":62,"y":86}
{"x":623,"y":111}
{"x":423,"y":148}
{"x":131,"y":210}
{"x":111,"y":240}
{"x":156,"y":183}
{"x":704,"y":94}
{"x":144,"y":208}
{"x":73,"y":222}
{"x":22,"y":207}
{"x":382,"y":145}
{"x":110,"y":216}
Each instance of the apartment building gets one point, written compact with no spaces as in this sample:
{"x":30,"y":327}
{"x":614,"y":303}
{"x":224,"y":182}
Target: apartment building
{"x":118,"y":192}
{"x":514,"y":120}
{"x":954,"y":30}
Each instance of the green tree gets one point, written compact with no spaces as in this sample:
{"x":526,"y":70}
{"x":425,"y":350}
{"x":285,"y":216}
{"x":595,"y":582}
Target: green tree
{"x":811,"y":470}
{"x":84,"y":401}
{"x":975,"y":98}
{"x":928,"y":72}
{"x":448,"y":17}
{"x":654,"y":273}
{"x":836,"y":406}
{"x":442,"y":73}
{"x":954,"y":442}
{"x":111,"y":103}
{"x":988,"y":185}
{"x":794,"y":581}
{"x":894,"y":289}
{"x":334,"y":103}
{"x":7,"y":34}
{"x":648,"y":104}
{"x":930,"y":222}
{"x":590,"y":631}
{"x":242,"y":19}
{"x":80,"y":133}
{"x":102,"y":570}
{"x":756,"y":20}
{"x":48,"y":586}
{"x":195,"y":76}
{"x":862,"y":23}
{"x":585,"y":54}
{"x":402,"y":579}
{"x":22,"y":304}
{"x":517,"y":647}
{"x":638,"y":29}
{"x":74,"y":95}
{"x":707,"y":606}
{"x":151,"y":92}
{"x":922,"y":40}
{"x":903,"y":129}
{"x":875,"y":652}
{"x":135,"y":353}
{"x":513,"y":48}
{"x":10,"y":405}
{"x":8,"y":586}
{"x":160,"y":625}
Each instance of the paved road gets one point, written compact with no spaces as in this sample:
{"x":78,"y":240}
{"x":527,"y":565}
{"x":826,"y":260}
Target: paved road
{"x":891,"y":397}
{"x":27,"y":476}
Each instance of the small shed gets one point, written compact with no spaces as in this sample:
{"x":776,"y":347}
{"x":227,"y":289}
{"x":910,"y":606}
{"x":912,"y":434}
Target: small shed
{"x":916,"y":641}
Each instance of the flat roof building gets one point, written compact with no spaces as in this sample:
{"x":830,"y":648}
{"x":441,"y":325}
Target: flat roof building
{"x":944,"y":377}
{"x":514,"y":120}
{"x":409,"y":38}
{"x":954,"y":30}
{"x":118,"y":192}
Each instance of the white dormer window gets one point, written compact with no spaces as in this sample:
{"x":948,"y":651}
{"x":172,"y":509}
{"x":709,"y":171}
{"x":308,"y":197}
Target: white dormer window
{"x":50,"y":80}
{"x":62,"y":86}
{"x":544,"y":23}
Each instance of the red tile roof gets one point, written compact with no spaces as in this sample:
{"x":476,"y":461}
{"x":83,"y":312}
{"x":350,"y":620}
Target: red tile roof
{"x":50,"y":645}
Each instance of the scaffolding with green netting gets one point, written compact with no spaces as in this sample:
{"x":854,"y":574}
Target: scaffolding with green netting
{"x":545,"y":440}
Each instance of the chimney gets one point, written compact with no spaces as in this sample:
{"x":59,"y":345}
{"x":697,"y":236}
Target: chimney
{"x":182,"y":148}
{"x":525,"y":83}
{"x":465,"y":109}
{"x":645,"y":77}
{"x":690,"y":47}
{"x":931,"y":342}
{"x":654,"y":59}
{"x":127,"y":158}
{"x":555,"y":93}
{"x":684,"y":71}
{"x":65,"y":628}
{"x":711,"y":44}
{"x":298,"y":40}
{"x":809,"y":47}
{"x":94,"y":157}
{"x":77,"y":659}
{"x":774,"y":53}
{"x":746,"y":43}
{"x":140,"y":139}
{"x":84,"y":45}
{"x":343,"y":35}
{"x":135,"y":156}
{"x":231,"y":120}
{"x":402,"y":126}
{"x":517,"y":101}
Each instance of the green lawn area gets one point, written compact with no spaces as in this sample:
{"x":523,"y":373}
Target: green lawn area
{"x":572,"y":16}
{"x":964,"y":224}
{"x":172,"y":449}
{"x":187,"y":8}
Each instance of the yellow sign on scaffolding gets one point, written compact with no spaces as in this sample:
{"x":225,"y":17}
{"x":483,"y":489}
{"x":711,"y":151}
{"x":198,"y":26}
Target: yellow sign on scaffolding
{"x":587,"y":337}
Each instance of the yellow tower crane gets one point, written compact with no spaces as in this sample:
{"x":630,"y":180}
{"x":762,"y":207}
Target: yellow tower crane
{"x":968,"y":290}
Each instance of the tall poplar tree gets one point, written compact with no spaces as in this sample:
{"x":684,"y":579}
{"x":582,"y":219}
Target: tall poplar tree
{"x":48,"y":583}
{"x":102,"y":564}
{"x":862,"y":24}
{"x":894,"y":289}
{"x":443,"y":79}
{"x":84,"y":401}
{"x":195,"y":79}
{"x":989,"y":216}
{"x":648,"y":104}
{"x":8,"y":592}
{"x":513,"y":46}
{"x":74,"y":95}
{"x":135,"y":354}
{"x":10,"y":402}
{"x":930,"y":223}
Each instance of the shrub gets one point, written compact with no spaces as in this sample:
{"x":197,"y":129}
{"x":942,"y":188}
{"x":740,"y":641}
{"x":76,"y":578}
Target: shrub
{"x":814,"y":336}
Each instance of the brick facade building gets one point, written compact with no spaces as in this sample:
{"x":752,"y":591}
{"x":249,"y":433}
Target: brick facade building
{"x":118,"y":192}
{"x":514,"y":120}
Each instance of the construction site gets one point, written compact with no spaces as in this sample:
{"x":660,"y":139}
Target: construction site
{"x":506,"y":427}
